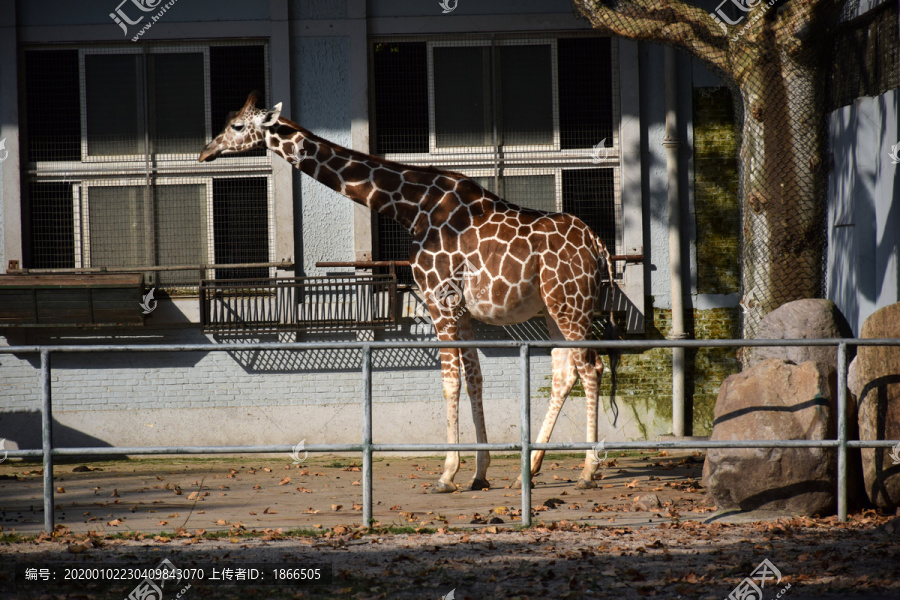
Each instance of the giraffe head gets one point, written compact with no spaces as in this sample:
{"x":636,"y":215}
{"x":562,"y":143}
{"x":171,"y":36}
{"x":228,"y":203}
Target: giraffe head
{"x":244,"y":130}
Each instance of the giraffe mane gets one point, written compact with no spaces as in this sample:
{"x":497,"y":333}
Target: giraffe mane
{"x":282,"y":121}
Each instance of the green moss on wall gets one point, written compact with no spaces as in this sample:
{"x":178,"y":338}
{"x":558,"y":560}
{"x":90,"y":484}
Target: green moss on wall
{"x":716,"y":192}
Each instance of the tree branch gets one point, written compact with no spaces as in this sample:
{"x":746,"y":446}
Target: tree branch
{"x":667,"y":21}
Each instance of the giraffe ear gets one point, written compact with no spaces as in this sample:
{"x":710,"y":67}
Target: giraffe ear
{"x":271,"y":117}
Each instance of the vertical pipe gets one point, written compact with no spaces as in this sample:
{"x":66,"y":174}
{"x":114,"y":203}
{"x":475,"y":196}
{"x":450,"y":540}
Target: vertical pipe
{"x":842,"y":431}
{"x":367,"y":435}
{"x":672,"y":144}
{"x":495,"y":113}
{"x":524,"y":367}
{"x":47,"y":440}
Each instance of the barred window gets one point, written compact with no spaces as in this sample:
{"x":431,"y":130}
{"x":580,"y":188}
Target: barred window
{"x":533,"y":119}
{"x":113,"y":135}
{"x":866,"y":54}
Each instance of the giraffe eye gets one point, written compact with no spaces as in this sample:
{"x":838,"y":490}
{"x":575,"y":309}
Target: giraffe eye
{"x":238,"y":126}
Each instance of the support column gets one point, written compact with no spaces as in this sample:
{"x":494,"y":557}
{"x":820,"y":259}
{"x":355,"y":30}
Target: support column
{"x":672,"y":144}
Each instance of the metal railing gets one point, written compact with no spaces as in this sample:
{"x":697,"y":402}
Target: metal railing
{"x":310,"y":304}
{"x":367,"y":448}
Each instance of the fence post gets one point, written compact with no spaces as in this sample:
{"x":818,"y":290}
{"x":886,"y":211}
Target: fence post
{"x":525,"y":366}
{"x":367,"y":435}
{"x":47,"y":440}
{"x":842,"y":431}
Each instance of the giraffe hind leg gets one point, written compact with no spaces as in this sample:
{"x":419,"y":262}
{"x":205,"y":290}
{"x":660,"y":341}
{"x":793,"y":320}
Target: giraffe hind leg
{"x":590,"y":368}
{"x":564,"y":377}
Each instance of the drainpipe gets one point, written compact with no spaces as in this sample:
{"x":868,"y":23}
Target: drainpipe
{"x":672,"y":144}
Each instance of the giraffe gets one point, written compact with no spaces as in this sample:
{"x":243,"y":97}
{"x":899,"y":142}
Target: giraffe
{"x":473,"y":255}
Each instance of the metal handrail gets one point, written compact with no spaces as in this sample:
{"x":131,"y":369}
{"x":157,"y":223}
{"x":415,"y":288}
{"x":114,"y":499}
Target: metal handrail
{"x":198,"y":267}
{"x":525,"y":446}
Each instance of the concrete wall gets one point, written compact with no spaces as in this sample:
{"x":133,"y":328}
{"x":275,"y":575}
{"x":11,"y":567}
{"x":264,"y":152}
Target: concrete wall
{"x":863,"y":214}
{"x":322,"y":107}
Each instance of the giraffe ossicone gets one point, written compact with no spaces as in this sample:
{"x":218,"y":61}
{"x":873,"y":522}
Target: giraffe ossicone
{"x":473,"y":256}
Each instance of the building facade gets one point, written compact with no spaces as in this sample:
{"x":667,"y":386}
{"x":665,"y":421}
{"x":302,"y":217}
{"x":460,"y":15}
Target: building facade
{"x":104,"y":107}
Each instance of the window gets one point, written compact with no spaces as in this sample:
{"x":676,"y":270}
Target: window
{"x":534,"y":120}
{"x":113,"y":135}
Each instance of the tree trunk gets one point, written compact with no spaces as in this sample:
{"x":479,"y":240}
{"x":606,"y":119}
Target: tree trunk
{"x":783,"y":182}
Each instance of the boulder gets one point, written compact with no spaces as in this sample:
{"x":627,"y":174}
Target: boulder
{"x":775,"y":400}
{"x":878,"y":381}
{"x":800,"y":319}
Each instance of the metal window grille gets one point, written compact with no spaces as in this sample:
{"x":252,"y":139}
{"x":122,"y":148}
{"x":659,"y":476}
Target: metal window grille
{"x":533,"y":119}
{"x":866,"y":53}
{"x":112,"y":176}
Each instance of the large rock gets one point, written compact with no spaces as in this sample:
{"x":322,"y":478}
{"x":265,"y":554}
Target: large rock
{"x":878,"y":381}
{"x":775,"y":400}
{"x":800,"y":319}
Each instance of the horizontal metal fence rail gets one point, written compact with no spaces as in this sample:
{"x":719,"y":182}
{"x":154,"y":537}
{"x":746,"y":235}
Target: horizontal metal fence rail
{"x":367,"y":448}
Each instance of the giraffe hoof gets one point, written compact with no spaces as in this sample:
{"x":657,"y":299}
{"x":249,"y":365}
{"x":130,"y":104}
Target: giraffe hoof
{"x":517,"y":485}
{"x":584,"y":484}
{"x":442,"y":488}
{"x":478,"y":484}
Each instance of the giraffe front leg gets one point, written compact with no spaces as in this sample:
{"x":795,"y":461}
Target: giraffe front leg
{"x":589,"y":371}
{"x":564,"y":376}
{"x":451,"y":384}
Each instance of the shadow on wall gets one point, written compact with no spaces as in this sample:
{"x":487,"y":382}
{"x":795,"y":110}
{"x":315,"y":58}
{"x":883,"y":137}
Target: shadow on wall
{"x":340,"y":360}
{"x":256,"y":361}
{"x":863,"y":218}
{"x":22,"y":431}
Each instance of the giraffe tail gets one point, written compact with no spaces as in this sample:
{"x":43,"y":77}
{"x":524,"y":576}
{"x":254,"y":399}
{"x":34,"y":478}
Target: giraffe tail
{"x":611,"y":331}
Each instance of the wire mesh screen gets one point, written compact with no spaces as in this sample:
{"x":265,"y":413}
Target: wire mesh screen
{"x":401,"y":92}
{"x":52,"y":110}
{"x":523,"y":116}
{"x":123,"y":126}
{"x":52,"y":225}
{"x":242,"y":225}
{"x":777,"y":58}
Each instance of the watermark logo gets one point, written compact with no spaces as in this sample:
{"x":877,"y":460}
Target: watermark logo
{"x":600,"y":152}
{"x":450,"y":596}
{"x":895,"y":454}
{"x":3,"y":447}
{"x":299,"y":448}
{"x":123,"y":19}
{"x":721,"y":17}
{"x":4,"y":153}
{"x":894,"y":153}
{"x":751,"y":588}
{"x":597,"y":449}
{"x":445,"y":4}
{"x":296,"y":159}
{"x":152,"y":588}
{"x":148,"y":298}
{"x":448,"y":297}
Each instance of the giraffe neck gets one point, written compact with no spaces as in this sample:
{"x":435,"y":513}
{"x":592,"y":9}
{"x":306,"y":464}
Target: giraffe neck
{"x":400,"y":192}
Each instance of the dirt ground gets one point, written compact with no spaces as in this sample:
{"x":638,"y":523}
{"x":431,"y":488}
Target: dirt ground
{"x":611,"y":541}
{"x":214,"y":494}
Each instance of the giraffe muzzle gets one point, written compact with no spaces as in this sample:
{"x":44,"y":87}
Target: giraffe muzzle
{"x":208,"y":154}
